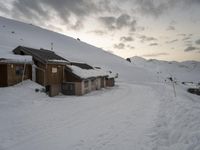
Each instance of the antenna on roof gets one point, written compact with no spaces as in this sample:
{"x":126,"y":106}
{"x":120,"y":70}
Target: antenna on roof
{"x":51,"y":46}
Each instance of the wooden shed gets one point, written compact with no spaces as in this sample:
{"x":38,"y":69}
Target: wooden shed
{"x":49,"y":67}
{"x":110,"y":79}
{"x":81,"y":78}
{"x":110,"y":82}
{"x":14,"y":71}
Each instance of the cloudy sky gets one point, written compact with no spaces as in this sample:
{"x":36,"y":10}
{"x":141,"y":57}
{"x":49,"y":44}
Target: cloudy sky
{"x":160,"y":29}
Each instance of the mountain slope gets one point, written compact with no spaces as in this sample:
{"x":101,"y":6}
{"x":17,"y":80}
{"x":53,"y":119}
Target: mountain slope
{"x":13,"y":33}
{"x":187,"y":71}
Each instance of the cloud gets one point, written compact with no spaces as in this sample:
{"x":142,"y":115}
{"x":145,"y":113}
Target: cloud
{"x":153,"y":44}
{"x":98,"y":32}
{"x":197,"y":42}
{"x":77,"y":26}
{"x":3,"y":8}
{"x":172,"y":41}
{"x":126,"y":39}
{"x":188,"y":43}
{"x":186,"y":38}
{"x":155,"y":54}
{"x":50,"y":26}
{"x":190,"y":48}
{"x":108,"y":21}
{"x":109,"y":6}
{"x":145,"y":38}
{"x":171,"y":28}
{"x":182,"y":34}
{"x":119,"y":46}
{"x":49,"y":10}
{"x":131,"y":47}
{"x":153,"y":8}
{"x":192,"y":2}
{"x":156,"y":8}
{"x":122,"y":21}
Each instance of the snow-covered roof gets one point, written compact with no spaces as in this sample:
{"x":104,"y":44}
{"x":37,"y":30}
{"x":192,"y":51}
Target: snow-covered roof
{"x":112,"y":74}
{"x":87,"y":73}
{"x":43,"y":55}
{"x":57,"y":60}
{"x":10,"y":58}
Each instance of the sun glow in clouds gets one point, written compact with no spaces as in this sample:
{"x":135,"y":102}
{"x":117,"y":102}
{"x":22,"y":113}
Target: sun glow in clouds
{"x":166,"y":30}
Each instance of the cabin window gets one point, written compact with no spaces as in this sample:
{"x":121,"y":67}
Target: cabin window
{"x":54,"y":70}
{"x":86,"y":83}
{"x":19,"y":70}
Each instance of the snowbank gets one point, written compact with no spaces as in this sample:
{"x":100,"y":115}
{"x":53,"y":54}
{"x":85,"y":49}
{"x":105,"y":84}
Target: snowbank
{"x":178,"y":123}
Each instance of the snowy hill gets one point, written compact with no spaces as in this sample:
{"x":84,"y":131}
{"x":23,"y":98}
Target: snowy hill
{"x":13,"y":34}
{"x":141,"y":112}
{"x":188,"y":71}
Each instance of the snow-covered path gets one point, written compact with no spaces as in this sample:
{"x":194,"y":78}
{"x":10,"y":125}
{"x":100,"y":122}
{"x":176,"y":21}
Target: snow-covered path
{"x":115,"y":118}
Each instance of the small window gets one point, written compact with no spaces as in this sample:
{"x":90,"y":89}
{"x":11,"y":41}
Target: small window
{"x":19,"y":70}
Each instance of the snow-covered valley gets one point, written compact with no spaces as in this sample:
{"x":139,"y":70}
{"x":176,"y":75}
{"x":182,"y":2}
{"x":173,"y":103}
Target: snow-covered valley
{"x":140,"y":112}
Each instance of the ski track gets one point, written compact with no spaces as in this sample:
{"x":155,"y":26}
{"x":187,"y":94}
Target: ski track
{"x":120,"y":122}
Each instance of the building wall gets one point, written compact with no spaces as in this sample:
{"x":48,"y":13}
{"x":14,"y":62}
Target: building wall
{"x":93,"y":84}
{"x":98,"y":83}
{"x":54,"y":89}
{"x":54,"y":74}
{"x":3,"y":75}
{"x":103,"y":82}
{"x":40,"y":73}
{"x":49,"y":74}
{"x":13,"y":73}
{"x":78,"y":88}
{"x":69,"y":77}
{"x":110,"y":82}
{"x":86,"y":86}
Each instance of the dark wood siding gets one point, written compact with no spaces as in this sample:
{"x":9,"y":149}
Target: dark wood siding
{"x":110,"y":82}
{"x":15,"y":73}
{"x":40,"y":73}
{"x":3,"y":75}
{"x":68,"y":88}
{"x":102,"y":82}
{"x":54,"y":74}
{"x":49,"y":74}
{"x":70,"y":77}
{"x":12,"y":73}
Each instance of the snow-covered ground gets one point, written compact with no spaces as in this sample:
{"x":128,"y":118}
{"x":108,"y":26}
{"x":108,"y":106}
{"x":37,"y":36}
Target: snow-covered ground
{"x":141,"y":112}
{"x":187,"y":71}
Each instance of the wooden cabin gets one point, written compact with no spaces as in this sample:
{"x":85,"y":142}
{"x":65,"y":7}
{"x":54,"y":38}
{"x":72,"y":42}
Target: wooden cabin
{"x":48,"y":67}
{"x":81,"y":78}
{"x":110,"y":82}
{"x":14,"y":70}
{"x":110,"y":79}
